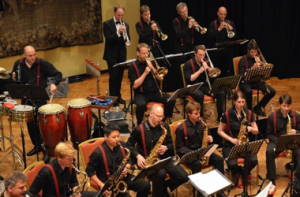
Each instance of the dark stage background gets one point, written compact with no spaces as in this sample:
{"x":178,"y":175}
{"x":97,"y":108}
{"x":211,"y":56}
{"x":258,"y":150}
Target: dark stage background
{"x":275,"y":25}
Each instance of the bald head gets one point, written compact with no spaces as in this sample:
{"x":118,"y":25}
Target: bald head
{"x":30,"y":54}
{"x":156,"y":108}
{"x":222,"y":13}
{"x":156,"y":115}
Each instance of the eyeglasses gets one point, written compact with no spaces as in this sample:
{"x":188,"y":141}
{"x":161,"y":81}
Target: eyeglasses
{"x":159,"y":116}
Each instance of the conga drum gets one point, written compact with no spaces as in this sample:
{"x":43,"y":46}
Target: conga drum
{"x":22,"y":113}
{"x":52,"y":123}
{"x":79,"y":120}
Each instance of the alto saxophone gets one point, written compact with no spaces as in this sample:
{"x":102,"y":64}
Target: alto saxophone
{"x":241,"y":136}
{"x":152,"y":158}
{"x":288,"y":131}
{"x":120,"y":185}
{"x":204,"y":159}
{"x":81,"y":185}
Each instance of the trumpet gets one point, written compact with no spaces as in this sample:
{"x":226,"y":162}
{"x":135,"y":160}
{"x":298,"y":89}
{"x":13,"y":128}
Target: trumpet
{"x":214,"y":72}
{"x":230,"y":34}
{"x":125,"y":35}
{"x":201,"y":30}
{"x":159,"y":32}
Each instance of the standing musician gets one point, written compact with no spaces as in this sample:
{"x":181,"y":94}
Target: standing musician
{"x":185,"y":37}
{"x":222,"y":30}
{"x":144,"y":80}
{"x":116,"y":33}
{"x":35,"y":71}
{"x":148,"y":29}
{"x":189,"y":136}
{"x":248,"y":61}
{"x":148,"y":137}
{"x":194,"y":72}
{"x":233,"y":120}
{"x":58,"y":178}
{"x":108,"y":157}
{"x":15,"y":185}
{"x":280,"y":122}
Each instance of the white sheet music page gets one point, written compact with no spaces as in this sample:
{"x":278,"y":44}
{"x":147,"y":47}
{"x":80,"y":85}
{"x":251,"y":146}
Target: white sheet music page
{"x":264,"y":192}
{"x":207,"y":181}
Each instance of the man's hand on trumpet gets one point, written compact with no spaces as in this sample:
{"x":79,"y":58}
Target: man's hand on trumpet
{"x":122,"y":29}
{"x":191,"y":23}
{"x":154,"y":26}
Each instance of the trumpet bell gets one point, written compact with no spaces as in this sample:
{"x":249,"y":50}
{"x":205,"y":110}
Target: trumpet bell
{"x":215,"y":72}
{"x":162,"y":71}
{"x":203,"y":30}
{"x":230,"y":34}
{"x":164,"y":37}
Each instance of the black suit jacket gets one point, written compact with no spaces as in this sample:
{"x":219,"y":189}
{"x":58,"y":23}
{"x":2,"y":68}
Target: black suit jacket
{"x":115,"y":48}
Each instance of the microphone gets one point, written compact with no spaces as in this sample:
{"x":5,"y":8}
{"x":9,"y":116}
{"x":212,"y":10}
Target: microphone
{"x":155,"y":41}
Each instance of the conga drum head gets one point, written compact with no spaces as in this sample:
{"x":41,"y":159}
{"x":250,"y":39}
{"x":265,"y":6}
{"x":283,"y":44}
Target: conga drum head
{"x":50,"y":109}
{"x":22,"y":113}
{"x":79,"y":103}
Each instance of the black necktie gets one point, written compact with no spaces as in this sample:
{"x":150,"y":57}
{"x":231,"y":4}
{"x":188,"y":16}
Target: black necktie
{"x":118,"y":22}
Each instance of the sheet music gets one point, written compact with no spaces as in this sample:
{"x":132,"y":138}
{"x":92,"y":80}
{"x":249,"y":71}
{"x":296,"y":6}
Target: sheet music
{"x":264,"y":192}
{"x":206,"y":182}
{"x":211,"y":150}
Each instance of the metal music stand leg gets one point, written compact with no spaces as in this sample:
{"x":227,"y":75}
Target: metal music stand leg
{"x":2,"y":136}
{"x":14,"y":149}
{"x":23,"y":144}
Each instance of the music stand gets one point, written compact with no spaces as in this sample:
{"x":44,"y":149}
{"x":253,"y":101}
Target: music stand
{"x":256,"y":75}
{"x":206,"y":182}
{"x":245,"y":150}
{"x":151,"y":170}
{"x":231,"y":43}
{"x":183,"y":94}
{"x":225,"y":83}
{"x":289,"y":142}
{"x":28,"y":92}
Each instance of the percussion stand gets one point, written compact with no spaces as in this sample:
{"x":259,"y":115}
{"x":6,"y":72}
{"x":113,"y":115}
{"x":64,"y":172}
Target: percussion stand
{"x":2,"y":136}
{"x":14,"y":149}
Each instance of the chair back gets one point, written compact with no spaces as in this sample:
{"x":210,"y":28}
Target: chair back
{"x":236,"y":61}
{"x":32,"y":171}
{"x":182,"y":75}
{"x":173,"y":128}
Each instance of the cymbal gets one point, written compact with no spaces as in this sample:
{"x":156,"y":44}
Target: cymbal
{"x":4,"y":74}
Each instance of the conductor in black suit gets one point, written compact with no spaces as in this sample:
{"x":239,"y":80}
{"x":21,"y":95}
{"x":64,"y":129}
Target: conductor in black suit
{"x":116,"y":33}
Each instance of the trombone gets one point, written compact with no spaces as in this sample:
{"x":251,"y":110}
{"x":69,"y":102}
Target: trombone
{"x":160,"y":33}
{"x":125,"y":35}
{"x":206,"y":76}
{"x":230,"y":33}
{"x":263,"y":59}
{"x":214,"y":72}
{"x":201,"y":30}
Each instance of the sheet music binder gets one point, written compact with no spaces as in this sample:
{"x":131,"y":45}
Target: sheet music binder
{"x":206,"y":183}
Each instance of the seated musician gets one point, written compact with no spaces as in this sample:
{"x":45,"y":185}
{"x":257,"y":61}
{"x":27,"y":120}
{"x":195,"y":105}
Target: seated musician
{"x":58,"y":178}
{"x":283,"y":126}
{"x":108,"y":158}
{"x":15,"y":185}
{"x":153,"y":139}
{"x":233,"y":120}
{"x":190,"y":136}
{"x":248,"y":61}
{"x":145,"y":84}
{"x":194,"y":72}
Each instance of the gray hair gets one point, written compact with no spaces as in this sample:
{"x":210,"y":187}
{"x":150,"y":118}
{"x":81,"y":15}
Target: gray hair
{"x":13,"y":178}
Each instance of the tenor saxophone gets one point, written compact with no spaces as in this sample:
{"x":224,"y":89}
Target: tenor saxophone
{"x":288,"y":131}
{"x":241,"y":136}
{"x":152,"y":158}
{"x":204,"y":159}
{"x":81,"y":185}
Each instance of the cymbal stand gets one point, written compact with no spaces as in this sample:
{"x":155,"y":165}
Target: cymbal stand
{"x":13,"y":148}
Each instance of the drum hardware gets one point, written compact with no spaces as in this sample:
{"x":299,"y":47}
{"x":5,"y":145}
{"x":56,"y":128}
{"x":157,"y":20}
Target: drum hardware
{"x":4,"y":74}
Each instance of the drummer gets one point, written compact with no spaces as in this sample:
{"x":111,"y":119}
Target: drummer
{"x":33,"y":70}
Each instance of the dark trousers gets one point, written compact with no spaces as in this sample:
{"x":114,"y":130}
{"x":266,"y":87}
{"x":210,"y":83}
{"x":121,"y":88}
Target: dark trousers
{"x":220,"y":96}
{"x":115,"y":78}
{"x":88,"y":194}
{"x":214,"y":160}
{"x":33,"y":126}
{"x":232,"y":163}
{"x":247,"y":89}
{"x":141,"y":100}
{"x":177,"y":177}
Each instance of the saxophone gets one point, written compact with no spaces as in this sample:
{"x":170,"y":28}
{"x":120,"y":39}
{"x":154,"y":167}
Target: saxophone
{"x":152,"y":158}
{"x":288,"y":153}
{"x":241,"y":136}
{"x":81,"y":185}
{"x":204,"y":159}
{"x":115,"y":179}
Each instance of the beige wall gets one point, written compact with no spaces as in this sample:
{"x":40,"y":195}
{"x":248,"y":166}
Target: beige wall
{"x":70,"y":60}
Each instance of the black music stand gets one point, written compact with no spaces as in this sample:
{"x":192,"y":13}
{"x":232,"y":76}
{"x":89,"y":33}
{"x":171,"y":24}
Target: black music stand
{"x":183,"y":94}
{"x":256,"y":75}
{"x":289,"y":142}
{"x":246,"y":150}
{"x":28,"y":92}
{"x":225,"y":83}
{"x":231,"y":43}
{"x":151,"y":170}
